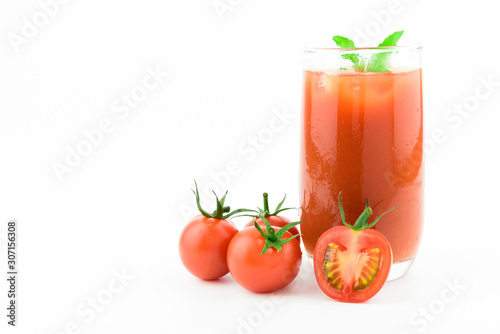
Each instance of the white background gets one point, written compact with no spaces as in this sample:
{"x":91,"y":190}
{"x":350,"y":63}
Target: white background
{"x":122,"y":208}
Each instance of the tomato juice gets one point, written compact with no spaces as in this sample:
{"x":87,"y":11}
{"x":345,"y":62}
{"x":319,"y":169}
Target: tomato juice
{"x":363,"y":135}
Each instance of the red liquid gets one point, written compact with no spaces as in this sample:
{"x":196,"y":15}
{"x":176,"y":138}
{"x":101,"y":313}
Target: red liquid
{"x":362,"y":135}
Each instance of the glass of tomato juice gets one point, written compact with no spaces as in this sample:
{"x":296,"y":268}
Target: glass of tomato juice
{"x":362,"y":134}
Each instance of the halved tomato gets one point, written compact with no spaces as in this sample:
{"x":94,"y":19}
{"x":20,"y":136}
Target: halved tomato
{"x":352,"y":262}
{"x":351,"y":266}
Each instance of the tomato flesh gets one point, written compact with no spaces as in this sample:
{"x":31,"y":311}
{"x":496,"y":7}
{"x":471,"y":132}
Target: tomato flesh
{"x":361,"y":272}
{"x":352,"y":266}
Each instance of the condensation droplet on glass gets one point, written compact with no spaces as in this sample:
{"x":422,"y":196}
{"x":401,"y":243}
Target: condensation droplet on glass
{"x":322,"y":80}
{"x":356,"y":84}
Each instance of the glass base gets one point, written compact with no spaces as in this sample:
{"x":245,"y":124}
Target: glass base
{"x":399,"y":269}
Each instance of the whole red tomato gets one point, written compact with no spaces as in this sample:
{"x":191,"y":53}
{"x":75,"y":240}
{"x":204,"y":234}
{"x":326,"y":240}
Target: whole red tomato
{"x":351,"y":263}
{"x":203,"y":246}
{"x":273,"y":217}
{"x":204,"y":241}
{"x":264,"y":260}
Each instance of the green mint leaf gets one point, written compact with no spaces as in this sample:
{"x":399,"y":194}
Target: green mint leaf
{"x":346,"y":43}
{"x":392,"y":39}
{"x":380,"y":62}
{"x":343,"y":42}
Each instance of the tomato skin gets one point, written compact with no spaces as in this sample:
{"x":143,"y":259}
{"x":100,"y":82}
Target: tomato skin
{"x":355,"y":243}
{"x":203,"y":246}
{"x":268,"y":272}
{"x":278,"y":221}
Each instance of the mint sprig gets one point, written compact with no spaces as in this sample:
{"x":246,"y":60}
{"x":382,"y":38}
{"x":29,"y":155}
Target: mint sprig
{"x":378,"y":62}
{"x":346,"y":43}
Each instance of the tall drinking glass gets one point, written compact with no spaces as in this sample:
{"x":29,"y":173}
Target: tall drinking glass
{"x":362,"y":134}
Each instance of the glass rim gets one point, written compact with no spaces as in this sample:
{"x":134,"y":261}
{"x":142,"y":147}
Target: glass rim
{"x":311,"y":49}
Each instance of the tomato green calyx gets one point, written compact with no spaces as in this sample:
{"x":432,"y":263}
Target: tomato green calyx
{"x":274,"y":238}
{"x":362,"y":221}
{"x":222,"y":212}
{"x":266,"y":212}
{"x":278,"y":209}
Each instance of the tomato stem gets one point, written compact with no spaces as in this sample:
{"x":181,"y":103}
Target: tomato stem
{"x":222,"y":212}
{"x":266,"y":205}
{"x":362,"y":221}
{"x":271,"y":234}
{"x":273,"y":238}
{"x":377,"y":219}
{"x":266,"y":212}
{"x":341,"y":209}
